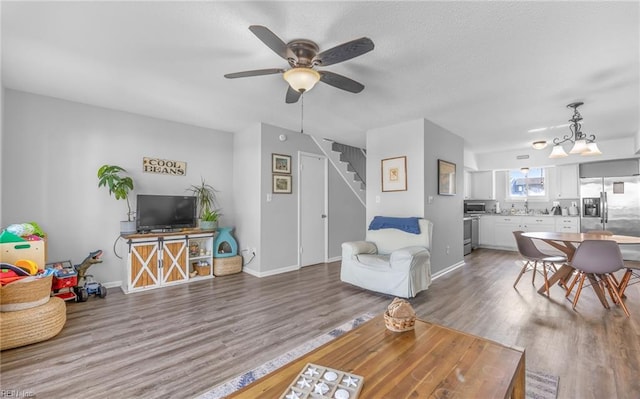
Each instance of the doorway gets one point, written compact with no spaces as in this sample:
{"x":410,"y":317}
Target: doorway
{"x":312,"y":209}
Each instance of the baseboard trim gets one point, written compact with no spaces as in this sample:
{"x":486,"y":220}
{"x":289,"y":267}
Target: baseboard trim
{"x":271,"y":272}
{"x":334,"y":259}
{"x":447,"y":270}
{"x":113,"y":284}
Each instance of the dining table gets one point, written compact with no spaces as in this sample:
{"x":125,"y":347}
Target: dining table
{"x":568,"y":243}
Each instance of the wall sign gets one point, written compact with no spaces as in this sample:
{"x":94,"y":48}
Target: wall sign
{"x":164,"y":166}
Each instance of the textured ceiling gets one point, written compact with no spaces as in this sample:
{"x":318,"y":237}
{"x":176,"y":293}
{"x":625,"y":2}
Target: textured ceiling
{"x":487,"y":71}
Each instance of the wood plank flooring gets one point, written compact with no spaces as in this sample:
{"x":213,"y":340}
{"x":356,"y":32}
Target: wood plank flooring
{"x":178,"y":342}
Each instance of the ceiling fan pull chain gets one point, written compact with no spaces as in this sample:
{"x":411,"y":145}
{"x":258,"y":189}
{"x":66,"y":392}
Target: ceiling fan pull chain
{"x":302,"y":113}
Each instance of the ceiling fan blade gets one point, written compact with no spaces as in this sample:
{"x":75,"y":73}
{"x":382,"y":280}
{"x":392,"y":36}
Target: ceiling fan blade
{"x":344,"y":52}
{"x":272,"y":41}
{"x":292,"y":95}
{"x":257,"y":72}
{"x":341,"y":82}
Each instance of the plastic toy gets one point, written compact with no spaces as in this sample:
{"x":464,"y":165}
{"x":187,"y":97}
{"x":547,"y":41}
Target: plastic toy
{"x":86,"y":284}
{"x":73,"y":282}
{"x":65,"y":279}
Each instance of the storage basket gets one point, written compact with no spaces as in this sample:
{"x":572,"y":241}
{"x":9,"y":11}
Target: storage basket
{"x":32,"y":325}
{"x":230,"y":265}
{"x":25,"y":293}
{"x":203,"y":270}
{"x":399,"y":324}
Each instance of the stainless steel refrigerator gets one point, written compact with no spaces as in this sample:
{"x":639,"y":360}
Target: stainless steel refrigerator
{"x":612,"y":203}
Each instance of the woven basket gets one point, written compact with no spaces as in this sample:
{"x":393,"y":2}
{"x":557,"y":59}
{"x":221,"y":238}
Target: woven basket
{"x":203,"y":270}
{"x":21,"y":295}
{"x":33,"y":325}
{"x":398,"y":324}
{"x":224,"y":266}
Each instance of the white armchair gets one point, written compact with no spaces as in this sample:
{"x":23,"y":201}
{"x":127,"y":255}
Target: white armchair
{"x":390,"y":261}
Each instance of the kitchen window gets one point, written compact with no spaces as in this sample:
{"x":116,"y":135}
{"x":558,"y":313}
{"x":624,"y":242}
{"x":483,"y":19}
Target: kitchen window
{"x":529,"y":185}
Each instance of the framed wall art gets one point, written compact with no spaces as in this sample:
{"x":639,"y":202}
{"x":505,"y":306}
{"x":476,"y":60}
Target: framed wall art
{"x":394,"y":174}
{"x":446,"y":178}
{"x":280,"y":163}
{"x":282,"y":184}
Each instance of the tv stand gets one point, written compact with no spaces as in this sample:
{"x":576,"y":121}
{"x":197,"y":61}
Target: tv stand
{"x":159,"y":259}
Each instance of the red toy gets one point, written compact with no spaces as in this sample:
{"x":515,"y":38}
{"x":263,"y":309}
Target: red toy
{"x":65,"y":279}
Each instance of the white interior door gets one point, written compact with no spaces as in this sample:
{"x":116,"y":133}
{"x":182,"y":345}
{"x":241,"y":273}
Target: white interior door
{"x":312,"y":209}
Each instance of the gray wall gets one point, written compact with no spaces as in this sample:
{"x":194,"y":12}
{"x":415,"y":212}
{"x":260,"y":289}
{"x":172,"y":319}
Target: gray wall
{"x":423,"y":143}
{"x":51,"y":153}
{"x":279,"y":217}
{"x":445,"y":211}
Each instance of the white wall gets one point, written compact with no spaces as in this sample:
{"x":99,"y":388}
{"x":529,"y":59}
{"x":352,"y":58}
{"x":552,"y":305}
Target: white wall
{"x":423,"y":143}
{"x":53,"y":149}
{"x":403,"y":139}
{"x":246,"y":193}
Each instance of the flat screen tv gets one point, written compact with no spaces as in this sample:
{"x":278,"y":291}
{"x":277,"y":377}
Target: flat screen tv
{"x":165,"y":212}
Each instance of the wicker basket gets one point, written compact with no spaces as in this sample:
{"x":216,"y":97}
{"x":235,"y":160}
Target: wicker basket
{"x":224,"y":266}
{"x":203,"y":270}
{"x":398,"y":324}
{"x":25,"y":294}
{"x":33,"y":325}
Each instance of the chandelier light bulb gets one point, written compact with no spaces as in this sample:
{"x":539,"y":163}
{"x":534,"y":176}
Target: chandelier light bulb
{"x":592,"y":149}
{"x":558,"y":152}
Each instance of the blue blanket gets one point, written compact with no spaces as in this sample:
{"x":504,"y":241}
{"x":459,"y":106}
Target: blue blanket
{"x":410,"y":225}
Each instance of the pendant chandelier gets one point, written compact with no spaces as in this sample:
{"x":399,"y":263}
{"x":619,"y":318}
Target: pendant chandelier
{"x":582,"y":144}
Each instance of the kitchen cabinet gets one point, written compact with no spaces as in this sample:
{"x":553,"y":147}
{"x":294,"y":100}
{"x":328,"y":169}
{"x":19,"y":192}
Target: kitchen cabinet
{"x":482,"y":185}
{"x":496,"y":231}
{"x":567,"y":182}
{"x":537,"y":223}
{"x":567,"y":225}
{"x":467,"y":184}
{"x":486,"y":231}
{"x":504,"y":226}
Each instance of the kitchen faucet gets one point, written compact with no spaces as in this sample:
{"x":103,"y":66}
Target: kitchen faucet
{"x":526,"y":207}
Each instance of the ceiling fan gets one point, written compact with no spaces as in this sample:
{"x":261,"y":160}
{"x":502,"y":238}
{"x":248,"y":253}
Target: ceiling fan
{"x":303,"y":56}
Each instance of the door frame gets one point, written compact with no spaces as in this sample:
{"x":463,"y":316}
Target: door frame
{"x":326,"y":203}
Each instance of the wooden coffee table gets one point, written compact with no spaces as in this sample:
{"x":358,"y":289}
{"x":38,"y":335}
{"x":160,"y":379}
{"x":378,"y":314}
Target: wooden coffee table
{"x":429,"y":361}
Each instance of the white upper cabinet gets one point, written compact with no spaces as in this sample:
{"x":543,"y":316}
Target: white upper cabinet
{"x":482,"y":185}
{"x":566,"y":182}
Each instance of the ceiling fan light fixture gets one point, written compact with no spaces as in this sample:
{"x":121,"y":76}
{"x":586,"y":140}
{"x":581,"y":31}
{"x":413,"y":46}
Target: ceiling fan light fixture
{"x":301,"y":79}
{"x":539,"y":145}
{"x":558,"y":152}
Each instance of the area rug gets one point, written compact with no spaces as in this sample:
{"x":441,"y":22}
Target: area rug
{"x":538,"y":385}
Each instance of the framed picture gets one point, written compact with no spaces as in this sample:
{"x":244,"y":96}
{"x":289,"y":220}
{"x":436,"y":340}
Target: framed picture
{"x":394,"y":174}
{"x":282,"y":184}
{"x":280,"y":163}
{"x":446,"y":178}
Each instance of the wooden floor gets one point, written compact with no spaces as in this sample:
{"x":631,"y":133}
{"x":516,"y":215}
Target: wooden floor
{"x":180,"y":341}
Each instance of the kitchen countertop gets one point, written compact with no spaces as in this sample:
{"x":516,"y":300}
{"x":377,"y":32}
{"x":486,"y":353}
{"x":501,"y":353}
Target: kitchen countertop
{"x":530,"y":215}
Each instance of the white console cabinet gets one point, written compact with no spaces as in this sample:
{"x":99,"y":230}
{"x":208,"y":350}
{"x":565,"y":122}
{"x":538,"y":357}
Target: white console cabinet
{"x":157,"y":260}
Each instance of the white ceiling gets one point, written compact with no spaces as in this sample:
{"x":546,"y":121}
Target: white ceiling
{"x":487,"y":71}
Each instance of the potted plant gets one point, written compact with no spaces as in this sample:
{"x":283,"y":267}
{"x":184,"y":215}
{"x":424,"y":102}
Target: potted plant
{"x":111,"y":177}
{"x":209,"y":220}
{"x":207,"y":204}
